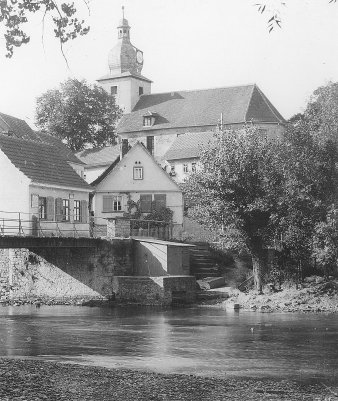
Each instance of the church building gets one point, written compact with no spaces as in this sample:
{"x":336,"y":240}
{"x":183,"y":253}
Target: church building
{"x":157,"y":120}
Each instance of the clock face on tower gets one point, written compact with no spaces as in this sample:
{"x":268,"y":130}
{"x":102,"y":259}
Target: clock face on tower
{"x":139,"y":57}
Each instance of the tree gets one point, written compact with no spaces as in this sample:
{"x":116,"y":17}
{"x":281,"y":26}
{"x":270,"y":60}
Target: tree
{"x":273,"y":9}
{"x":321,"y":113}
{"x":79,"y":114}
{"x":260,"y":190}
{"x":236,"y":189}
{"x":325,"y":244}
{"x":14,"y":14}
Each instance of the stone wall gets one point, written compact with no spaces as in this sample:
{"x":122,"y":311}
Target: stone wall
{"x":63,"y":273}
{"x":162,"y":290}
{"x":118,"y":227}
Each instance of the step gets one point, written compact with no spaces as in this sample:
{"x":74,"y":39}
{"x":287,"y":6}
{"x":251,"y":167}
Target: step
{"x":200,"y":276}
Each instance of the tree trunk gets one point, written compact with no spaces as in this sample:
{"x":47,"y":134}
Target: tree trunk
{"x":257,"y":271}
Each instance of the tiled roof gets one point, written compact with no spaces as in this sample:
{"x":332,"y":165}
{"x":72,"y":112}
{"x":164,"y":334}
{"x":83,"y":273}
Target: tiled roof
{"x":99,"y":156}
{"x":201,"y":108}
{"x":41,"y":163}
{"x":189,"y":145}
{"x":20,"y":129}
{"x":16,"y":127}
{"x":65,"y":152}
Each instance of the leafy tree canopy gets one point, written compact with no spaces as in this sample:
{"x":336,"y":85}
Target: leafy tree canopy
{"x":15,"y":13}
{"x":79,"y":114}
{"x":261,"y":190}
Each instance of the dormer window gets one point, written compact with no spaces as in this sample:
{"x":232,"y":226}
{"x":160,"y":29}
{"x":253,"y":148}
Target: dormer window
{"x":149,"y":119}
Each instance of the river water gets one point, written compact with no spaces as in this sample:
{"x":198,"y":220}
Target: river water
{"x":201,"y":341}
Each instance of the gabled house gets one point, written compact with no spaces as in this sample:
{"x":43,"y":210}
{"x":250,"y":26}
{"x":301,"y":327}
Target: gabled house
{"x":136,"y":182}
{"x":183,"y":155}
{"x":43,"y":191}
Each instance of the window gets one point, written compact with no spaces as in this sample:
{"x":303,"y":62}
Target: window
{"x":77,"y":210}
{"x":160,"y":201}
{"x":138,"y":173}
{"x":112,"y":203}
{"x":65,"y":209}
{"x":193,"y":167}
{"x":145,"y":203}
{"x":140,"y":90}
{"x":150,"y":144}
{"x":113,"y":90}
{"x":147,"y":121}
{"x":42,"y":208}
{"x":117,"y":203}
{"x":172,"y":170}
{"x":185,"y":168}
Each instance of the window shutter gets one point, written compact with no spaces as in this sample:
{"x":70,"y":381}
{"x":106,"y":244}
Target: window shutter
{"x":160,"y":200}
{"x":107,"y":205}
{"x":58,"y":209}
{"x":145,"y":203}
{"x":50,"y":208}
{"x":84,"y":211}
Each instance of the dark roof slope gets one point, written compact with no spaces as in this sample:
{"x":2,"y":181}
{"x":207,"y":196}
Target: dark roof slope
{"x":41,"y":163}
{"x":201,"y":108}
{"x":20,"y":129}
{"x":65,"y":152}
{"x":189,"y":145}
{"x":99,"y":156}
{"x":17,"y":127}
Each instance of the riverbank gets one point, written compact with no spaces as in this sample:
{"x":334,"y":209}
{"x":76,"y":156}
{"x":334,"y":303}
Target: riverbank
{"x":39,"y":380}
{"x":314,"y":295}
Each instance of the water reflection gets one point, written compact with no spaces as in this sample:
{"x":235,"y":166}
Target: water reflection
{"x":199,"y":341}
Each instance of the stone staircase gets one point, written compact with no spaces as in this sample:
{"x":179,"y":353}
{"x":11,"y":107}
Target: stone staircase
{"x":202,"y":263}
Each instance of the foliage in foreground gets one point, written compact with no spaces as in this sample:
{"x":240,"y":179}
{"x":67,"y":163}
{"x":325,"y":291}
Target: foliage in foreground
{"x":79,"y":114}
{"x":260,"y":192}
{"x":14,"y":14}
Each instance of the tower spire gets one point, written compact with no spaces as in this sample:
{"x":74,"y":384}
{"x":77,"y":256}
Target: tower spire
{"x":123,"y":12}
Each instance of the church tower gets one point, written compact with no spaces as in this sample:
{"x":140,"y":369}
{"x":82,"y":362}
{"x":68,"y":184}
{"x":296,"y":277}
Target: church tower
{"x":125,"y":63}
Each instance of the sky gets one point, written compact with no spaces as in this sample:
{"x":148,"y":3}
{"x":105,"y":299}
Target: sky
{"x":190,"y":44}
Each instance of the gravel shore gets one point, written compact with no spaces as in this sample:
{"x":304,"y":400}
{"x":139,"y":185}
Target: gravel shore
{"x":311,"y":297}
{"x":28,"y":380}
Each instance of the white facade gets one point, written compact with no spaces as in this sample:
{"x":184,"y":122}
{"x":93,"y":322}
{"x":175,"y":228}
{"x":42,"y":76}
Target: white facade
{"x":135,"y":176}
{"x":128,"y":89}
{"x":33,"y":207}
{"x":14,"y":196}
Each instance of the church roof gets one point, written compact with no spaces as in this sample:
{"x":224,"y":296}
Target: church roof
{"x":40,"y":162}
{"x":99,"y":156}
{"x":201,"y":108}
{"x":189,"y":145}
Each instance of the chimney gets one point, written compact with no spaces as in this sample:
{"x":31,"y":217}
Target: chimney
{"x":124,"y":147}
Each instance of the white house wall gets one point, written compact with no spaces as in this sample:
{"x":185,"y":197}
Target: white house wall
{"x":155,"y":181}
{"x":91,"y":173}
{"x":14,"y":193}
{"x":67,"y":228}
{"x":164,"y":138}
